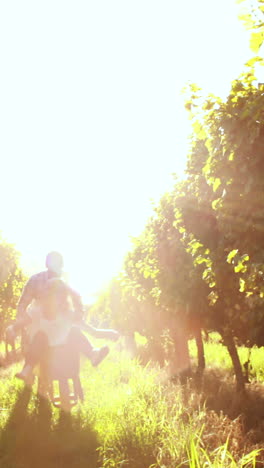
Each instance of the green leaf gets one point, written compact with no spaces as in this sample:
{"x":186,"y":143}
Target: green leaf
{"x":195,"y":244}
{"x":199,"y":260}
{"x":231,"y":255}
{"x":199,"y":131}
{"x":207,"y":272}
{"x":217,"y":184}
{"x":245,"y":258}
{"x":256,"y":40}
{"x":254,"y":60}
{"x":240,"y":268}
{"x":212,"y":297}
{"x":216,"y":203}
{"x":246,"y":18}
{"x":242,"y":284}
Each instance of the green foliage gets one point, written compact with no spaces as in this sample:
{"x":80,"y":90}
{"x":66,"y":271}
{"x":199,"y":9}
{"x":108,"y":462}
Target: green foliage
{"x":12,"y":281}
{"x":200,"y":260}
{"x":252,"y":17}
{"x":200,"y":257}
{"x":232,"y":165}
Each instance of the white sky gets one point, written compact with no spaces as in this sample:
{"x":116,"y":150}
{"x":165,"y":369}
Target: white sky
{"x":92,"y":120}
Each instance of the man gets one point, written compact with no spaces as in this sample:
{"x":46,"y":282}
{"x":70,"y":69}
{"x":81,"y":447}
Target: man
{"x":36,"y":285}
{"x":33,"y":292}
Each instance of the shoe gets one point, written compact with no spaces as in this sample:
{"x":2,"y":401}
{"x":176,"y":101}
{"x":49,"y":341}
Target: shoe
{"x":98,"y":355}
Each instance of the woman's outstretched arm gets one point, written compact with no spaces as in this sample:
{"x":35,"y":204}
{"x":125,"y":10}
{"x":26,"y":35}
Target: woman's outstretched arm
{"x":107,"y":334}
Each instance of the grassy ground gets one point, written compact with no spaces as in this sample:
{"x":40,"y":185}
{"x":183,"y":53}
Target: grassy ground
{"x":135,"y":417}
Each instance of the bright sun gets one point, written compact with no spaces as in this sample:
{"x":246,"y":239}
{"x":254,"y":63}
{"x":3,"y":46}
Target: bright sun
{"x":93,"y":123}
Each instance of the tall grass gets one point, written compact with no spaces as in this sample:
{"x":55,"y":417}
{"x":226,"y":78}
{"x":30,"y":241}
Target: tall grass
{"x":132,"y":417}
{"x":217,"y":356}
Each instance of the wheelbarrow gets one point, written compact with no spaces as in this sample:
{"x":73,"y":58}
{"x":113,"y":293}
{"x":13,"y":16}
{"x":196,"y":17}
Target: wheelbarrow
{"x":59,"y":377}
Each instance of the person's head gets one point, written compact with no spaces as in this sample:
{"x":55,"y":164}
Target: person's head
{"x":54,"y":263}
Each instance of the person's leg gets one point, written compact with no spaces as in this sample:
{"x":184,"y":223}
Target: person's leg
{"x":80,"y":342}
{"x":36,"y":350}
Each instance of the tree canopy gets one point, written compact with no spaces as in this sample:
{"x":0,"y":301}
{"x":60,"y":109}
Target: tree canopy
{"x":12,"y":280}
{"x":199,"y":263}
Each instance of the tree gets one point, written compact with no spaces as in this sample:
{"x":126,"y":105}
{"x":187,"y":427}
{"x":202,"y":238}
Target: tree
{"x":204,"y":247}
{"x":200,"y":258}
{"x":227,"y":153}
{"x":12,"y":280}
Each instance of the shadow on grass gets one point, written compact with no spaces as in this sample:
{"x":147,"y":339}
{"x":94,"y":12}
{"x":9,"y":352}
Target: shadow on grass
{"x":30,"y":440}
{"x":217,"y":389}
